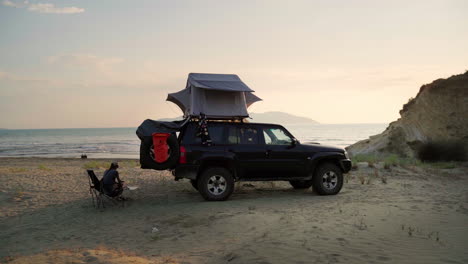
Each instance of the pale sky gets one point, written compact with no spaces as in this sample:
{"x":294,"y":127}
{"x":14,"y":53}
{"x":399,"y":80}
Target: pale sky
{"x":89,"y":63}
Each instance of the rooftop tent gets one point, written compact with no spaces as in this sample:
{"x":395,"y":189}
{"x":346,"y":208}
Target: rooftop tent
{"x":215,"y":95}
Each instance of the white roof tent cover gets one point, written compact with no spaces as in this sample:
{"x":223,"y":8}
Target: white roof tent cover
{"x":215,"y":95}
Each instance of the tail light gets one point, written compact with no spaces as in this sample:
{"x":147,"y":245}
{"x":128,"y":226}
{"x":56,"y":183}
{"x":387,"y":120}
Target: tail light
{"x":183,"y":155}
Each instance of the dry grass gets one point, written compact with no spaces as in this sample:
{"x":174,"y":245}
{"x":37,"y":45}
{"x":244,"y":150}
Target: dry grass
{"x":17,"y":169}
{"x":95,"y":164}
{"x":43,"y":167}
{"x":347,"y":177}
{"x":129,"y":164}
{"x":384,"y":179}
{"x":362,"y":179}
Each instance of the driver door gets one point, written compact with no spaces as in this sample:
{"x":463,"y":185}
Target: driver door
{"x":282,"y":153}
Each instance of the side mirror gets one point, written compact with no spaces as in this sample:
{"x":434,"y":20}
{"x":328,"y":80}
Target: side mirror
{"x":294,"y":142}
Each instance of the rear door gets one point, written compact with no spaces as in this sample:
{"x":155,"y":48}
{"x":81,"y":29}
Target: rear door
{"x":244,"y":141}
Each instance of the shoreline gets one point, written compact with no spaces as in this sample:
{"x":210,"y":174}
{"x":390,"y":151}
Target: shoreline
{"x":123,"y":143}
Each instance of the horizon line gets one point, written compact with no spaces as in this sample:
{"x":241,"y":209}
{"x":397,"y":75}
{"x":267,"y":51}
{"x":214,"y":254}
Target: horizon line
{"x":51,"y":128}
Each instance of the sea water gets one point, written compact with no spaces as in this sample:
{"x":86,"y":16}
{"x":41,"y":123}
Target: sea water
{"x":123,"y":142}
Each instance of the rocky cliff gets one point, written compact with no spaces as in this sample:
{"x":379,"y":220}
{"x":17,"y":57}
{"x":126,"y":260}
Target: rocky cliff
{"x":439,"y":112}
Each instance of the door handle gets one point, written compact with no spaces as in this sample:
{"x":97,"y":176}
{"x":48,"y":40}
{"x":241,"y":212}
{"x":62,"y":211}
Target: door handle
{"x":267,"y":153}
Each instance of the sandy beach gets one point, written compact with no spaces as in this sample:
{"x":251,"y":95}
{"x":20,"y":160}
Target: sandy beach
{"x":398,"y":215}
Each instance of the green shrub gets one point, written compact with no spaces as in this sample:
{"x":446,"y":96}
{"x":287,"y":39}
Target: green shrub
{"x":365,"y":158}
{"x":392,"y":160}
{"x":43,"y":167}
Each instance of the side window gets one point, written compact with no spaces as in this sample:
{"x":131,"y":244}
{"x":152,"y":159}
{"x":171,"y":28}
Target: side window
{"x":276,"y":136}
{"x":232,"y":136}
{"x":248,"y":135}
{"x":215,"y":131}
{"x":216,"y":134}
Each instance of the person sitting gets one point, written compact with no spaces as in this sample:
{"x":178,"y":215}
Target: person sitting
{"x":112,"y":185}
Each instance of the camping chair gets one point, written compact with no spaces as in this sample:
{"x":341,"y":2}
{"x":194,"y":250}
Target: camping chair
{"x":97,"y":192}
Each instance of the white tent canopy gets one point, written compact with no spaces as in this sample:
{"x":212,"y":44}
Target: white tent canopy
{"x":215,"y":95}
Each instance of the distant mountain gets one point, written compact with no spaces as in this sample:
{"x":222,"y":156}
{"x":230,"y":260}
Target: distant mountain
{"x":268,"y":117}
{"x":280,"y":118}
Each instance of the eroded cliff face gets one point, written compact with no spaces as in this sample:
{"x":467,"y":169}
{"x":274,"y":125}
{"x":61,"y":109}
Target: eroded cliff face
{"x":439,"y":112}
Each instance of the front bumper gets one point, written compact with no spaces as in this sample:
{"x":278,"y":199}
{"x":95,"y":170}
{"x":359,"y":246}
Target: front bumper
{"x":345,"y":165}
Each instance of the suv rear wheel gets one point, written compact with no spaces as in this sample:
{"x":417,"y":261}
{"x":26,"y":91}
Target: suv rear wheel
{"x":301,"y":184}
{"x":328,"y":179}
{"x":216,"y":184}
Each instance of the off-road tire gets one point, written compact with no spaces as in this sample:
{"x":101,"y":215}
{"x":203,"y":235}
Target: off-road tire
{"x":215,"y":184}
{"x":301,"y":184}
{"x":147,"y":161}
{"x":327,"y":179}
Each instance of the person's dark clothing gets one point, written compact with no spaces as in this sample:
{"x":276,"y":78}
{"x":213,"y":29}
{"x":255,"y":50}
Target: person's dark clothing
{"x":111,"y":183}
{"x":110,"y":177}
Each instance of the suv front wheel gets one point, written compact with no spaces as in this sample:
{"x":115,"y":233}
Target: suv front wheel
{"x":328,"y":179}
{"x":216,"y":184}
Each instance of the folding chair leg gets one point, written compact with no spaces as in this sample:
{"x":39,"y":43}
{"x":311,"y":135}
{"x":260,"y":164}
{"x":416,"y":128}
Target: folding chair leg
{"x":101,"y":200}
{"x":94,"y":198}
{"x":99,"y":197}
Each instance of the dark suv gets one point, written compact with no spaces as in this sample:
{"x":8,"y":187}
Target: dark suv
{"x":256,"y":152}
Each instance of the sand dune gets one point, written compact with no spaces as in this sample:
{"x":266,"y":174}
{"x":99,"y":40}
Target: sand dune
{"x":419,"y":215}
